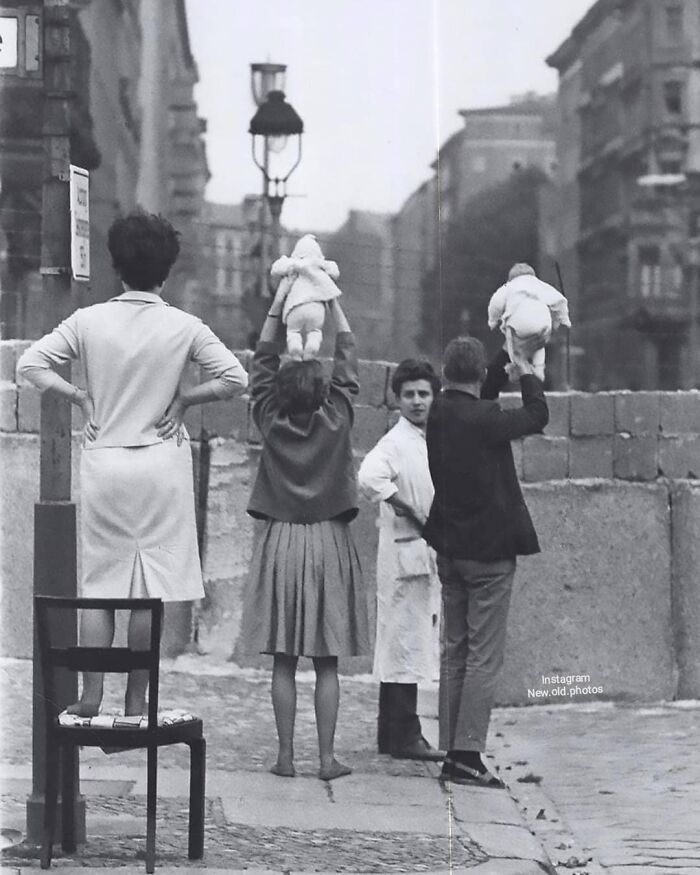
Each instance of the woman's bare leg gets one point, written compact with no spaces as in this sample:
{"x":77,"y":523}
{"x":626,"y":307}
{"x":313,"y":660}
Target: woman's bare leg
{"x":96,"y":630}
{"x":326,"y":700}
{"x":137,"y":684}
{"x":284,"y":704}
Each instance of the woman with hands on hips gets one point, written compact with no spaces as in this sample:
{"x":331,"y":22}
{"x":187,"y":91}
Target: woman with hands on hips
{"x":138,"y":534}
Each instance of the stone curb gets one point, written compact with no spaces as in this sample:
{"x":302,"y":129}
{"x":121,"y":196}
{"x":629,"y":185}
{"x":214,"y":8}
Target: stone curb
{"x":493,"y":867}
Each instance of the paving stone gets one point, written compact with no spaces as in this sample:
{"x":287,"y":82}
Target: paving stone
{"x":353,"y":816}
{"x":28,"y":409}
{"x":680,"y":412}
{"x":374,"y":382}
{"x":591,"y":457}
{"x":636,"y":811}
{"x":637,"y":412}
{"x":481,"y":805}
{"x":494,"y":838}
{"x":8,"y":407}
{"x":8,"y":360}
{"x":592,"y":414}
{"x":545,"y":458}
{"x":559,"y":404}
{"x":679,"y":457}
{"x":371,"y":423}
{"x":635,"y":457}
{"x":380,"y":790}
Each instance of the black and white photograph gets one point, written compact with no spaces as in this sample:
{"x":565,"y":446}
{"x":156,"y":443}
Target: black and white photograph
{"x":350,"y":436}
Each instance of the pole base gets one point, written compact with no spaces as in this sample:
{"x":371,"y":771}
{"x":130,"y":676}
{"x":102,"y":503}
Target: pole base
{"x":35,"y":820}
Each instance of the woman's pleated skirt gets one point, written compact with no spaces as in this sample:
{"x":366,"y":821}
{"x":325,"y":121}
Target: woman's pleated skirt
{"x":137,"y":523}
{"x":305,"y":595}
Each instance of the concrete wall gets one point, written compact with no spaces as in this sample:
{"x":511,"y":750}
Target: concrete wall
{"x":613,"y":486}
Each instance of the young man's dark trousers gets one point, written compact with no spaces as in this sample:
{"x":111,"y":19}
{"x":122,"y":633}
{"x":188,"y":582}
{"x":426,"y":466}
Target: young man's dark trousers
{"x":398,"y":726}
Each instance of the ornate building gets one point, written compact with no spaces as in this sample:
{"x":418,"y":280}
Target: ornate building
{"x":134,"y":126}
{"x":629,"y":159}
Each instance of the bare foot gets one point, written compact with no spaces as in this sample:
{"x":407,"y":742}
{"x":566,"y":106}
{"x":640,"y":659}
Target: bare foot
{"x":283,"y":770}
{"x":84,"y":709}
{"x":334,"y":770}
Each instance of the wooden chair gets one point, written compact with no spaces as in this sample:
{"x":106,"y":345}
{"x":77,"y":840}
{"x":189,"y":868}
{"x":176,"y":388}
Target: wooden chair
{"x":63,"y":740}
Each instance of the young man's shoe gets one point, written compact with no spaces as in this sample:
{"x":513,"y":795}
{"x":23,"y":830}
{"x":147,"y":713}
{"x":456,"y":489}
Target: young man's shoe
{"x":458,"y":773}
{"x":419,"y":750}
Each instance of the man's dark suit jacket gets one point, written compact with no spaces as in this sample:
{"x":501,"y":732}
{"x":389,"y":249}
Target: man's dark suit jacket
{"x":478,"y":511}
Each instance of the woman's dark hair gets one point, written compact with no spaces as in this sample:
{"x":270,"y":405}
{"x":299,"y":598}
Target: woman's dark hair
{"x":143,"y":248}
{"x":464,"y":360}
{"x":414,"y":369}
{"x":301,"y":386}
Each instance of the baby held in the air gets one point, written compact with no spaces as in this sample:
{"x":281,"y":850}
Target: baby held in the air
{"x":524,"y":308}
{"x":311,"y":278}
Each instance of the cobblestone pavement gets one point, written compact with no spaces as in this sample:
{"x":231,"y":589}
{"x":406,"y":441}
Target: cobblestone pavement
{"x":619,"y":783}
{"x":259,"y":848}
{"x":239,"y":725}
{"x":607,"y":788}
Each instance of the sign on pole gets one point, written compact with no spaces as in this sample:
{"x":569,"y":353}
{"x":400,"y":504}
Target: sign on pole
{"x":80,"y":223}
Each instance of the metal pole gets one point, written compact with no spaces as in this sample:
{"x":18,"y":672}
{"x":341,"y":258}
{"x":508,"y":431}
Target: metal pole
{"x":264,"y":267}
{"x":54,"y":513}
{"x":568,"y":331}
{"x":693,"y":328}
{"x":275,"y":202}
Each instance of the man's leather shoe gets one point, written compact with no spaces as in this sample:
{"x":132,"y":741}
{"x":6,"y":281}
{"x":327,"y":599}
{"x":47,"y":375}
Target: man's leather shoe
{"x":419,"y":750}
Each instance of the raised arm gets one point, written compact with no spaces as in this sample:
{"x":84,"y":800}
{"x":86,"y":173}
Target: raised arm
{"x":531,"y":418}
{"x":345,"y":368}
{"x":496,"y":376}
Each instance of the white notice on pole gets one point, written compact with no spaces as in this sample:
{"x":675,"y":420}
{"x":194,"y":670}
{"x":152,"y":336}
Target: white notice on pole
{"x":80,"y":223}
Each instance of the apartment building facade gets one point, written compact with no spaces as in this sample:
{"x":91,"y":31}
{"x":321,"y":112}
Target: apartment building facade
{"x":628,"y":190}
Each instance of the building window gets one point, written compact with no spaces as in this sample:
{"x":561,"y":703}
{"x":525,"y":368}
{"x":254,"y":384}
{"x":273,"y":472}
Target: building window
{"x":650,"y":272}
{"x":674,"y":23}
{"x":673,"y":97}
{"x":676,"y":281}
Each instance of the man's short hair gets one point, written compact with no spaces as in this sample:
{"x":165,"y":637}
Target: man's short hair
{"x":521,"y":269}
{"x":410,"y":370}
{"x":464,"y":360}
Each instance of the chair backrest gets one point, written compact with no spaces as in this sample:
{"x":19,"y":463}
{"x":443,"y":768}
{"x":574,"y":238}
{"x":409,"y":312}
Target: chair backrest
{"x":103,"y":659}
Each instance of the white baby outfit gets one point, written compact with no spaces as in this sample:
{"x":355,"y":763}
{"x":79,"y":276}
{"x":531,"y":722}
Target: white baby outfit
{"x":525,"y":307}
{"x":311,"y":279}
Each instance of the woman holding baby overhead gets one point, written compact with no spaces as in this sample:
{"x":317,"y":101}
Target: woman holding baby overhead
{"x":305,"y":595}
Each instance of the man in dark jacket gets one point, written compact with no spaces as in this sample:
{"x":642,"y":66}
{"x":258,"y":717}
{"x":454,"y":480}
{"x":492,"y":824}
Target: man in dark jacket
{"x":478,"y":524}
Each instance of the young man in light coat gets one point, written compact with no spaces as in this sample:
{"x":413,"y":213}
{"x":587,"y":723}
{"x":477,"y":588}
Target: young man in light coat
{"x":396,"y":475}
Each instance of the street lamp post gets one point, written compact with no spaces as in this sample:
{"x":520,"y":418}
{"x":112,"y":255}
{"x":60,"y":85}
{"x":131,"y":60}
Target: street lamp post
{"x":265,"y":78}
{"x":271,"y":127}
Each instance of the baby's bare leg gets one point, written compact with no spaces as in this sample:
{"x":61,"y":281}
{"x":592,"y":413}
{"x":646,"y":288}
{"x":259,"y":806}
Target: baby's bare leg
{"x":538,"y":360}
{"x":96,"y":630}
{"x":295,"y":344}
{"x":313,"y":344}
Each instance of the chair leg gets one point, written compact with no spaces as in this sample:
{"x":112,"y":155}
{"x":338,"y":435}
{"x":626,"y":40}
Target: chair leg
{"x":198,"y":752}
{"x":151,"y":796}
{"x":68,"y":799}
{"x":50,"y":802}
